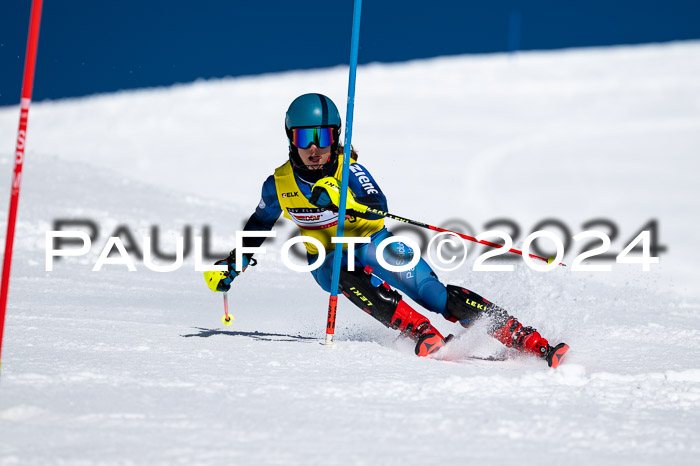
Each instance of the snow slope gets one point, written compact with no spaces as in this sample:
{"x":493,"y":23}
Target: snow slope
{"x":118,"y":367}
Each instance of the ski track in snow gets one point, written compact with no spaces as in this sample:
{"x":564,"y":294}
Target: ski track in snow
{"x":121,"y":367}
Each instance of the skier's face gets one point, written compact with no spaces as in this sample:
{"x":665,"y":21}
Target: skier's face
{"x":315,"y":157}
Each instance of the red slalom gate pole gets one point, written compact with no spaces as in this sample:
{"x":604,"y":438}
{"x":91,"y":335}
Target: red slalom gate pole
{"x":27,"y":86}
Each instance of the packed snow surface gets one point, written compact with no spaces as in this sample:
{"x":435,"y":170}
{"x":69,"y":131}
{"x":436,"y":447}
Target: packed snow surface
{"x":119,"y":367}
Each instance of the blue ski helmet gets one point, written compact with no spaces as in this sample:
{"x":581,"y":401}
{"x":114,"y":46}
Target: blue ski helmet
{"x":308,"y":111}
{"x":312,"y":110}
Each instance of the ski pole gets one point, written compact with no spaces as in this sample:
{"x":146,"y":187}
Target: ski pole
{"x":227,"y":319}
{"x":442,"y":230}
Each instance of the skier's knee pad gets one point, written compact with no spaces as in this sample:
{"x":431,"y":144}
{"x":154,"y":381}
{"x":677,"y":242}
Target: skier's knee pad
{"x":466,"y":306}
{"x":378,"y":301}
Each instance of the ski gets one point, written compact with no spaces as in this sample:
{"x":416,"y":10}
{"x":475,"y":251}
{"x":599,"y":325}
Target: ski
{"x":499,"y":358}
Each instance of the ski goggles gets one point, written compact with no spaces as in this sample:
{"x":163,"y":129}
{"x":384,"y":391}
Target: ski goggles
{"x":304,"y":137}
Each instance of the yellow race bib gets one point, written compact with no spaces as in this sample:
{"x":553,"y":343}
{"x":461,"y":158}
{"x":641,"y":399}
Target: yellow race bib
{"x":313,"y":221}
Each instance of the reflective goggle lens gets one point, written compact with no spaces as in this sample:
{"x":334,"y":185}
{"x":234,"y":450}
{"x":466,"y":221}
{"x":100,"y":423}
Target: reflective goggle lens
{"x":303,"y":137}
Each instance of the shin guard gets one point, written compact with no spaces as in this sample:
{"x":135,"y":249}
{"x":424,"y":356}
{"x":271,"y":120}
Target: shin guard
{"x":466,"y":306}
{"x":386,"y":305}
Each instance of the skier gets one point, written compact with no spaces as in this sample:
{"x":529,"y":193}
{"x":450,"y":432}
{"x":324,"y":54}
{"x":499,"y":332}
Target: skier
{"x":305,"y":189}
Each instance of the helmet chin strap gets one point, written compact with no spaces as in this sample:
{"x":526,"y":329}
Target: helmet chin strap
{"x":312,"y":175}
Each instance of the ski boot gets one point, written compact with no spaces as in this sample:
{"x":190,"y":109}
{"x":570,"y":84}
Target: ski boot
{"x":417,"y":327}
{"x":386,"y":305}
{"x":466,"y":306}
{"x":529,"y":340}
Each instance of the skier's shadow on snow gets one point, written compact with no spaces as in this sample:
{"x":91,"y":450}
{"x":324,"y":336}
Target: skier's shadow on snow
{"x":208,"y":332}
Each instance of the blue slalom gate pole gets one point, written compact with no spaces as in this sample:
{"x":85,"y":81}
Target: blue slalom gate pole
{"x":335,"y":277}
{"x":514,"y":25}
